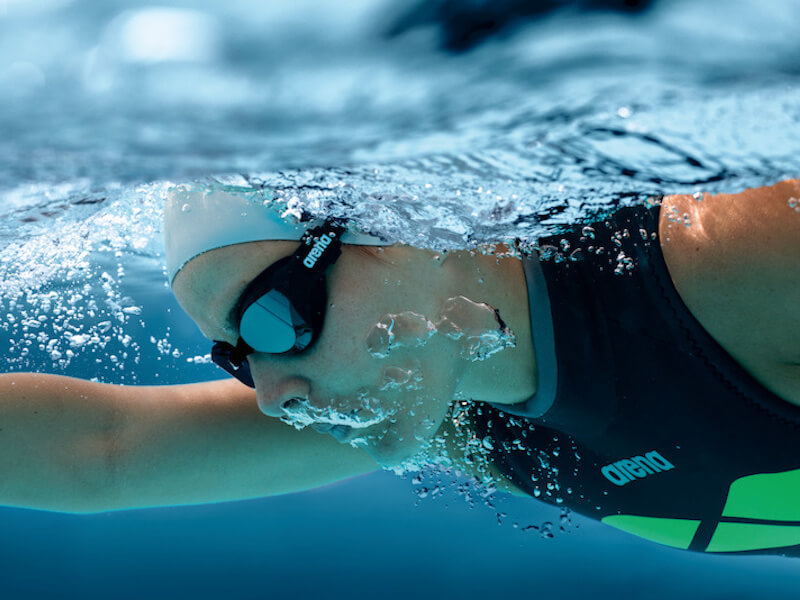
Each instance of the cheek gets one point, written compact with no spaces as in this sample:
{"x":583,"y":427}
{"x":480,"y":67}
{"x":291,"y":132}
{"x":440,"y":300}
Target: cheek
{"x":416,"y":417}
{"x":346,"y":322}
{"x":412,"y":385}
{"x":341,"y":353}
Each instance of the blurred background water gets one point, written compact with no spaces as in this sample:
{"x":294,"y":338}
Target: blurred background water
{"x":440,"y":123}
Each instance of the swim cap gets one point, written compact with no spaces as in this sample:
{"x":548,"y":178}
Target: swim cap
{"x":198,"y":219}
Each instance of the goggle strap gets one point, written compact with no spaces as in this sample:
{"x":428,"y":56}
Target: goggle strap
{"x":240,"y":352}
{"x":325,"y":255}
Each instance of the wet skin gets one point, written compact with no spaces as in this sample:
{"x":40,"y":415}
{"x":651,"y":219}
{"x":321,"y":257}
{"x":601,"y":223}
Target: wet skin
{"x":338,"y":375}
{"x":79,"y":446}
{"x":734,"y":261}
{"x":735,"y":250}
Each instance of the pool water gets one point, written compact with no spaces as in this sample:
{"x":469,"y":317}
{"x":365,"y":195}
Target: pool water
{"x":103,"y":106}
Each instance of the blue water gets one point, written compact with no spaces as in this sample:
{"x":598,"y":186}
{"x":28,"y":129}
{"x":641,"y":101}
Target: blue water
{"x":103,"y":104}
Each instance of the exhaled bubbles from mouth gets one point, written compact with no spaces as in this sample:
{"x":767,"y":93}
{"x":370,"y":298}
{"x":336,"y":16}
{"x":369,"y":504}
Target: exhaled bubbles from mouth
{"x":299,"y":413}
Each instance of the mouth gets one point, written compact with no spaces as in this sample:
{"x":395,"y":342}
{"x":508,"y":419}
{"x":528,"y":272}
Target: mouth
{"x":340,"y":433}
{"x":343,"y":425}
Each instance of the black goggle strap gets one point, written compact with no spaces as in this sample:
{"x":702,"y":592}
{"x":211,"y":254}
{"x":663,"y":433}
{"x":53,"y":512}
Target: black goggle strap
{"x":319,"y":249}
{"x":239,"y":352}
{"x":290,"y":274}
{"x":303,"y":281}
{"x":233,"y":360}
{"x":234,"y":356}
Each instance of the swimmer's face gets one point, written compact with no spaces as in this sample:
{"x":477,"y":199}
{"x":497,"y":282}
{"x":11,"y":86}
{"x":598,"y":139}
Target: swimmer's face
{"x":391,"y":403}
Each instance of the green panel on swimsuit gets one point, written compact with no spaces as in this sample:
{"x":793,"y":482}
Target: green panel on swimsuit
{"x":732,"y":537}
{"x":677,"y":533}
{"x":774,"y":496}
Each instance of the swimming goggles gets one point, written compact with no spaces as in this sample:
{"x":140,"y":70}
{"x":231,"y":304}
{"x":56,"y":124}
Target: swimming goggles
{"x":283,"y":309}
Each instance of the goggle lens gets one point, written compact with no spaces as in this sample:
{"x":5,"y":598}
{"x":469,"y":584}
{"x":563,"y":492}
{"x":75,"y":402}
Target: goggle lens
{"x":267,"y":324}
{"x":283,"y":309}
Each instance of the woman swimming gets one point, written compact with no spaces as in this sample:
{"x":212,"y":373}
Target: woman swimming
{"x":642,"y":370}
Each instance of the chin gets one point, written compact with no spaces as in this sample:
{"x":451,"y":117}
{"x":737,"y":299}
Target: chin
{"x":400,"y":445}
{"x":391,"y":452}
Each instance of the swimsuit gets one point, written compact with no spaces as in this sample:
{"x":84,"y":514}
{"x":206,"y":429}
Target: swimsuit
{"x":641,"y":419}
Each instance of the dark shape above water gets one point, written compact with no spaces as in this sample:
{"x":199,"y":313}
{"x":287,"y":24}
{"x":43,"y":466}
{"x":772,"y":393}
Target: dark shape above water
{"x":465,"y":24}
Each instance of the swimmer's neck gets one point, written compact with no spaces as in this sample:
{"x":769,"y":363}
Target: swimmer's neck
{"x":508,"y":376}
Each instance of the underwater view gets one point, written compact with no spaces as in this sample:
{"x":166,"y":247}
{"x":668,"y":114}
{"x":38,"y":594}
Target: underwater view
{"x":470,"y":130}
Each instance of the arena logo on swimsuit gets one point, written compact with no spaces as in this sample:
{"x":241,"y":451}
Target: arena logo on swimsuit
{"x":636,"y":467}
{"x":319,"y":247}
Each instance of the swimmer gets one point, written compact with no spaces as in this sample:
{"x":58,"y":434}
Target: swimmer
{"x":642,"y":370}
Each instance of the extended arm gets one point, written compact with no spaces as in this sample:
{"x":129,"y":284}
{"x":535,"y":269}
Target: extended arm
{"x":76,"y":446}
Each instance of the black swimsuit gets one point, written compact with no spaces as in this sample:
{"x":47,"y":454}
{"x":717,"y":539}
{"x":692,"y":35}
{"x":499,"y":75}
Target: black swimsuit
{"x":641,"y":419}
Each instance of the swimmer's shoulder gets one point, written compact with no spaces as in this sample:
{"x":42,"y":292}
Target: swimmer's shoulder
{"x":734,"y":260}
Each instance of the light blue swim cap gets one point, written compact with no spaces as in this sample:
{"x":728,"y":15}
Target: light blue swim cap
{"x":200,"y":218}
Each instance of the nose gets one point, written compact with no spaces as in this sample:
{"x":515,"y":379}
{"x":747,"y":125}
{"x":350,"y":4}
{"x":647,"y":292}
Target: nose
{"x":274,"y":390}
{"x":272,"y":399}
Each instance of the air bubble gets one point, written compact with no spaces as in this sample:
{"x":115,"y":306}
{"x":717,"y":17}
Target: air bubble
{"x":477,"y":325}
{"x":405,"y":329}
{"x":546,"y":530}
{"x":576,"y":255}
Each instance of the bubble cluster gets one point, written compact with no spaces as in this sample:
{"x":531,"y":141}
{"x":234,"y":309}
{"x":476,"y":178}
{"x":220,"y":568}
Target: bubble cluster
{"x":446,"y":483}
{"x":406,"y":329}
{"x":402,"y":378}
{"x":61,"y":286}
{"x":478,"y":326}
{"x":300,"y":413}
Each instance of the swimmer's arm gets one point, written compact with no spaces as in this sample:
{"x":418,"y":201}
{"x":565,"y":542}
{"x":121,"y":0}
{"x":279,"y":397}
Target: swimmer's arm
{"x":75,"y":446}
{"x":735,"y":262}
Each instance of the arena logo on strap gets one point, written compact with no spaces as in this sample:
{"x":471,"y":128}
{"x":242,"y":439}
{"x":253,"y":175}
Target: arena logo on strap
{"x":318,"y":249}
